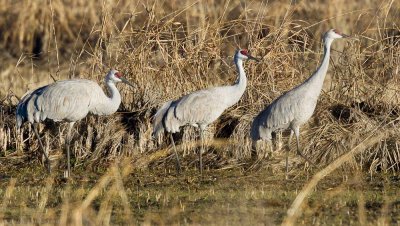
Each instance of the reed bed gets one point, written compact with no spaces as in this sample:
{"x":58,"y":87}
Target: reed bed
{"x":170,"y":48}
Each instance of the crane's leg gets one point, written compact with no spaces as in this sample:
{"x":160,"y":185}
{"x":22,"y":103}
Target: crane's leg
{"x":201,"y":151}
{"x":297,"y":133}
{"x":68,"y":144}
{"x":287,"y":155}
{"x":42,"y":147}
{"x":178,"y":165}
{"x":254,"y":156}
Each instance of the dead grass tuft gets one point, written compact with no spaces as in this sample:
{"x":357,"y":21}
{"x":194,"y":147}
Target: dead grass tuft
{"x":169,"y":49}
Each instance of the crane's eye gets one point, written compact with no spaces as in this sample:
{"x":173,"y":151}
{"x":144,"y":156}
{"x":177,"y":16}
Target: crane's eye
{"x":244,"y":52}
{"x":118,"y":74}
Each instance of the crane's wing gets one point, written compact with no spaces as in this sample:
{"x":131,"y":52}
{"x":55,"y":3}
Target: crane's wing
{"x":198,"y":108}
{"x":280,"y":112}
{"x":201,"y":107}
{"x":68,"y":100}
{"x":26,"y":106}
{"x":158,"y":123}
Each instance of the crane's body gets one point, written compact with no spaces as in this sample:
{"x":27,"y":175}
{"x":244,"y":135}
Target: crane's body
{"x":69,"y":101}
{"x":291,"y":110}
{"x":295,"y":107}
{"x":202,"y":107}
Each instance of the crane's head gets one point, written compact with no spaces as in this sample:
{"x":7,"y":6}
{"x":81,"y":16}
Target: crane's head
{"x":116,"y":76}
{"x":334,"y":34}
{"x":243,"y":54}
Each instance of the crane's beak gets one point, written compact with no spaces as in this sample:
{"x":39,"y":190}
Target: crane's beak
{"x":126,"y":82}
{"x":253,"y":58}
{"x":345,"y":36}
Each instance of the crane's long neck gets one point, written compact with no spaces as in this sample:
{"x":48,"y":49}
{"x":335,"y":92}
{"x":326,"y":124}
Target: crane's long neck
{"x":241,"y":82}
{"x":233,"y":93}
{"x":317,"y":79}
{"x":113,"y":101}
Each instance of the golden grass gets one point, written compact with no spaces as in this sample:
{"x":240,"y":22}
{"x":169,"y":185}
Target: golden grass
{"x":171,"y":48}
{"x":295,"y":209}
{"x":125,"y":196}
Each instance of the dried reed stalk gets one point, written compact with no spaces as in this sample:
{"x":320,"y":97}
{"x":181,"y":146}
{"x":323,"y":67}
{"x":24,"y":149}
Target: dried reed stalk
{"x":296,"y":208}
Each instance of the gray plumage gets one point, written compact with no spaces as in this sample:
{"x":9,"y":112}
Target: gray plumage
{"x":69,"y":101}
{"x":295,"y":107}
{"x":202,"y":107}
{"x":197,"y":109}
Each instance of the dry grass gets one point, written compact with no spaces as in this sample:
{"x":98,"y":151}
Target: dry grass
{"x":295,"y":210}
{"x":124,"y":196}
{"x":171,"y":48}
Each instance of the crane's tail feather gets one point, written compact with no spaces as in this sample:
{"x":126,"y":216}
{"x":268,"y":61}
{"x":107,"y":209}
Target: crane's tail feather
{"x":158,"y":125}
{"x":254,"y":131}
{"x":21,"y":113}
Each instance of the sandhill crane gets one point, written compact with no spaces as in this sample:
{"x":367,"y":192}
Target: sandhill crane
{"x":201,"y":108}
{"x":70,"y":101}
{"x":295,"y":107}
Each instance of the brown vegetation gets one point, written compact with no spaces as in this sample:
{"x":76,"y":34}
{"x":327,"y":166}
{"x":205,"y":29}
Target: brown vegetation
{"x":170,"y":48}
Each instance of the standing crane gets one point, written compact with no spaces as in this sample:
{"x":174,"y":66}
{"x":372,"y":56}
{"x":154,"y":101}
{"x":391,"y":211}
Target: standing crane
{"x":201,"y":107}
{"x":70,"y":101}
{"x":295,"y":107}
